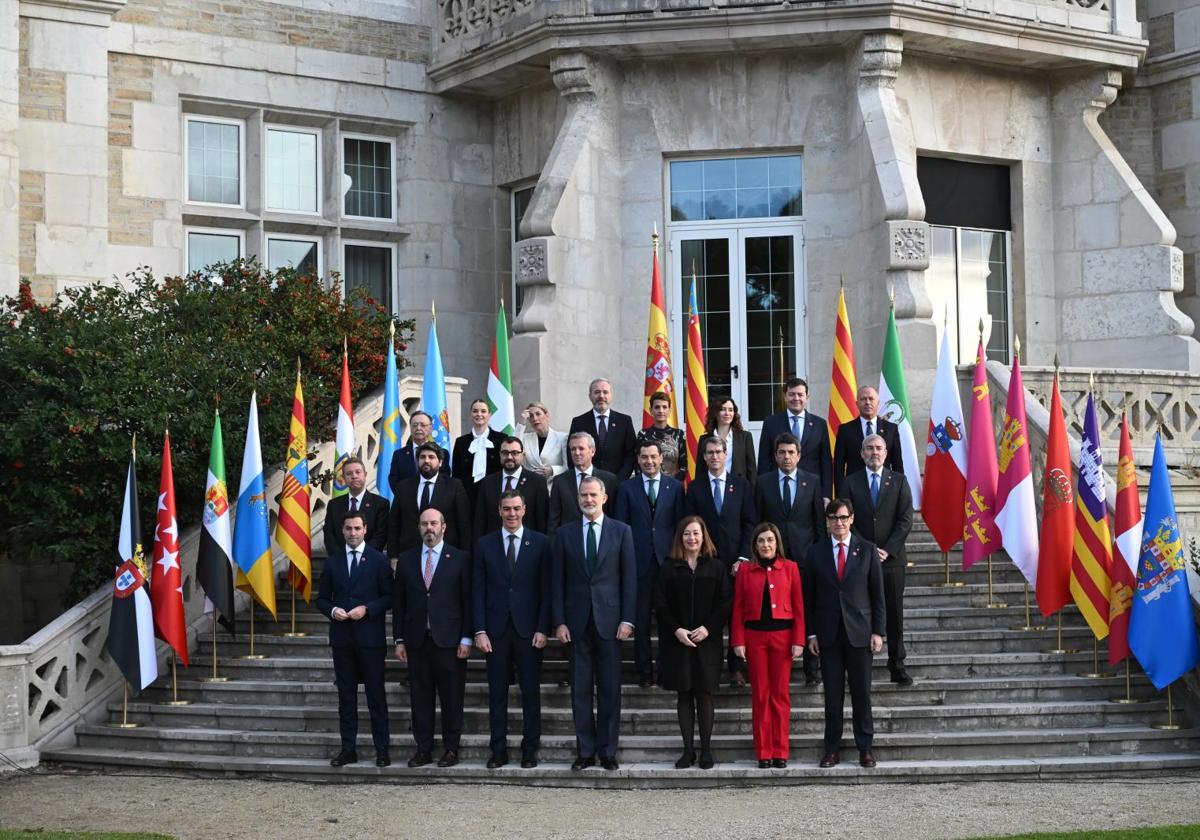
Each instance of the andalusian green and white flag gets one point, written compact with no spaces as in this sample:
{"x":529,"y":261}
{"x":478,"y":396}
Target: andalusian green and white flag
{"x":893,"y":404}
{"x":499,"y":385}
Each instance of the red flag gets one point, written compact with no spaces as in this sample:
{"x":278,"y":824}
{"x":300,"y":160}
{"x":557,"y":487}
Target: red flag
{"x":945,"y":486}
{"x":166,"y":578}
{"x":981,"y":538}
{"x":658,"y":349}
{"x":1058,"y":516}
{"x":1016,"y":514}
{"x":1127,"y":546}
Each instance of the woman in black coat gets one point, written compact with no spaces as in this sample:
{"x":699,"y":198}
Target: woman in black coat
{"x":692,"y":597}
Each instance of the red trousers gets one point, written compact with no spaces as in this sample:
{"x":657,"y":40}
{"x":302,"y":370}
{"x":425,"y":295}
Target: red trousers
{"x":769,"y":659}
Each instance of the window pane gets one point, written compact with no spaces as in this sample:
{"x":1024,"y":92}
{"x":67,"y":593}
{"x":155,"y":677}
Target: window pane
{"x":709,"y":259}
{"x":369,"y":165}
{"x":291,"y":171}
{"x":205,"y":249}
{"x":212,"y":159}
{"x":736,"y":188}
{"x":292,"y":253}
{"x":520,"y":203}
{"x":370,"y":268}
{"x":770,"y":319}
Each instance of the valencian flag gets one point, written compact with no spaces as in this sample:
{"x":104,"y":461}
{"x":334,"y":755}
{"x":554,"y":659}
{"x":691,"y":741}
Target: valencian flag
{"x":251,"y":533}
{"x":1127,"y":545}
{"x":893,"y":404}
{"x":1162,"y":632}
{"x":1016,"y":515}
{"x":130,"y":640}
{"x":343,"y":447}
{"x":658,"y":348}
{"x":945,"y":487}
{"x":166,"y":578}
{"x":843,"y":381}
{"x":1058,"y":515}
{"x":499,"y":383}
{"x":980,"y":536}
{"x":214,"y":558}
{"x":389,"y":428}
{"x":696,"y":410}
{"x":433,"y":389}
{"x":1093,"y":544}
{"x":293,"y":528}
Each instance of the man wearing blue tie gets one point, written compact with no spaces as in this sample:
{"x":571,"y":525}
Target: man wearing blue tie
{"x":810,"y":431}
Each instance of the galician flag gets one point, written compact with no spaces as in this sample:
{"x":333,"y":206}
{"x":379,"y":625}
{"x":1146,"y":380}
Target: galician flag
{"x":293,"y":527}
{"x":659,"y":375}
{"x":499,"y":384}
{"x":945,"y":487}
{"x":893,"y":404}
{"x":166,"y":577}
{"x":214,"y":557}
{"x":433,"y":389}
{"x":343,"y":447}
{"x":1016,"y":514}
{"x":251,"y":532}
{"x":1127,"y":545}
{"x":389,"y":429}
{"x":980,"y":536}
{"x":843,"y":380}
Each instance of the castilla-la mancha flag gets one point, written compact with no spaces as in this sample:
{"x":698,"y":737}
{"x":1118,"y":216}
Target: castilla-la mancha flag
{"x":166,"y":578}
{"x":659,"y":376}
{"x":945,"y":486}
{"x":980,"y":536}
{"x":1127,"y":546}
{"x":1016,"y":515}
{"x":1058,"y":516}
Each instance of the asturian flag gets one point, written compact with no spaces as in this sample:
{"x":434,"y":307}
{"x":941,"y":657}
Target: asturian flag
{"x":945,"y":486}
{"x":389,"y":428}
{"x":499,"y":383}
{"x":166,"y":578}
{"x":130,"y":640}
{"x":1090,"y":582}
{"x":251,"y":532}
{"x":433,"y":389}
{"x":293,"y":528}
{"x":1016,"y":514}
{"x":1162,"y":632}
{"x":214,"y":557}
{"x":1127,"y":545}
{"x":893,"y":404}
{"x":343,"y":447}
{"x":980,"y":537}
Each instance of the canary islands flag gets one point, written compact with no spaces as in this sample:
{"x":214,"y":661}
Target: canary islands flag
{"x":251,"y":531}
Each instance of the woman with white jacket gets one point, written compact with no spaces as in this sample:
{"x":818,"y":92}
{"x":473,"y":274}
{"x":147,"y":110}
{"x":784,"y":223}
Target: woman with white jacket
{"x":545,"y":449}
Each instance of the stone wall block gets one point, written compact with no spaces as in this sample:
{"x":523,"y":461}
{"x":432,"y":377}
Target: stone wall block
{"x":1157,"y":267}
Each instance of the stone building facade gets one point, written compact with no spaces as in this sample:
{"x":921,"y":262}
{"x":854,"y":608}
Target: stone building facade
{"x":1031,"y":164}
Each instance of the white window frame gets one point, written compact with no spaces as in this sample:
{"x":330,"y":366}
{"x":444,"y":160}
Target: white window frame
{"x":374,"y":138}
{"x":514,"y":256}
{"x":295,"y":237}
{"x":266,"y":167}
{"x":374,"y":243}
{"x":205,"y":118}
{"x":752,"y":220}
{"x":968,"y":357}
{"x":189,"y":230}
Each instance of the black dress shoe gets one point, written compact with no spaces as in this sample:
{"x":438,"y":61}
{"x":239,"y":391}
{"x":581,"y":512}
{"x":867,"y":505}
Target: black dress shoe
{"x":830,"y":760}
{"x":420,"y":759}
{"x":764,"y":764}
{"x":564,"y":683}
{"x":686,"y":760}
{"x":497,"y":760}
{"x":706,"y":760}
{"x":779,"y":763}
{"x":343,"y":758}
{"x":383,"y":760}
{"x":812,"y":679}
{"x":645,"y":682}
{"x":901,"y":677}
{"x":582,"y":763}
{"x":449,"y":758}
{"x":866,"y":758}
{"x":529,"y":761}
{"x":608,"y":762}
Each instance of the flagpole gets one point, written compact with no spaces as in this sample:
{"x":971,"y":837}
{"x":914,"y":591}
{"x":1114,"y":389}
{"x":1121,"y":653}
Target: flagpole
{"x":1170,"y":725}
{"x":1128,"y":699}
{"x":252,"y":654}
{"x":215,"y":678}
{"x":948,"y":583}
{"x":1095,"y":673}
{"x":175,"y":701}
{"x":1029,"y":626}
{"x":991,"y":602}
{"x":124,"y":724}
{"x":1058,"y":646}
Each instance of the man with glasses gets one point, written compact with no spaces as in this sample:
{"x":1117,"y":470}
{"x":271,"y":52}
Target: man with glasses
{"x":404,"y":460}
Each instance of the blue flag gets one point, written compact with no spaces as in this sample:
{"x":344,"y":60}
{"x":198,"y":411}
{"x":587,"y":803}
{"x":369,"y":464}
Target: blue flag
{"x":389,"y":432}
{"x":1162,"y":633}
{"x":433,"y":391}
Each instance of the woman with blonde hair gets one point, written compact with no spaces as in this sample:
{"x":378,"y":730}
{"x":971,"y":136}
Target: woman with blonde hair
{"x":545,"y":448}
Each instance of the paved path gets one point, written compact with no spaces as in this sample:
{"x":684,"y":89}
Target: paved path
{"x":207,"y":808}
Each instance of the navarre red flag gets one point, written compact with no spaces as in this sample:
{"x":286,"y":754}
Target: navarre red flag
{"x":1127,"y":544}
{"x":1058,"y":516}
{"x":981,"y":538}
{"x":945,"y":487}
{"x":166,"y":577}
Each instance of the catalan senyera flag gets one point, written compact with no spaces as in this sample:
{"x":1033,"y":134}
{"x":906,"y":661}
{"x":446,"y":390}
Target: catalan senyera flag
{"x":499,"y":382}
{"x":1057,"y":540}
{"x":981,"y":538}
{"x":1127,"y":545}
{"x":251,"y":532}
{"x":293,"y":528}
{"x":843,"y":381}
{"x":659,"y":376}
{"x":166,"y":577}
{"x":697,"y":382}
{"x":945,"y":487}
{"x":1016,"y":514}
{"x":389,"y":427}
{"x":1092,"y":556}
{"x":343,"y":447}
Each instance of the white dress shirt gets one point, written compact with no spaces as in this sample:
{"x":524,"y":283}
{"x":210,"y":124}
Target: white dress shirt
{"x":437,"y":556}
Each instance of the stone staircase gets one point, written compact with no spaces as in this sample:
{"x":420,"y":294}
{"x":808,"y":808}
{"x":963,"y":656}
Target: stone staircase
{"x":988,"y":702}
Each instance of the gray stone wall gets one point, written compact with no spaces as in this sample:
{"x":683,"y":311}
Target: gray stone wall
{"x":9,"y":158}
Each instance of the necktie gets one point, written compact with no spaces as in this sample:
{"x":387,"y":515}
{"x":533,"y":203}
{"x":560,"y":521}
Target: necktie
{"x":652,"y":491}
{"x":592,"y":550}
{"x":841,"y":561}
{"x":353,"y":560}
{"x":428,"y":568}
{"x":796,"y":426}
{"x":601,"y":431}
{"x":717,"y":494}
{"x":353,"y":504}
{"x":426,"y":490}
{"x":870,"y":428}
{"x":508,"y":484}
{"x":787,"y":492}
{"x":512,"y":554}
{"x":874,"y":489}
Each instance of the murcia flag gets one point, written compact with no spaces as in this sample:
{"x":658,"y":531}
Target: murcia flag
{"x":166,"y":577}
{"x":945,"y":486}
{"x":1016,"y":515}
{"x":130,"y":640}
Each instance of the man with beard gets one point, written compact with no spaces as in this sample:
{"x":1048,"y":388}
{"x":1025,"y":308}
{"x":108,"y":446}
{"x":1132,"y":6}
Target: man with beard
{"x":429,"y":488}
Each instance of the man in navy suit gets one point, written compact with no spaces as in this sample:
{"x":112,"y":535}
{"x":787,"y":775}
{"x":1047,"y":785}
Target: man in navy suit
{"x":592,"y":603}
{"x":511,"y":599}
{"x":564,"y":490}
{"x":808,"y":429}
{"x":431,"y":618}
{"x":511,"y":476}
{"x":847,"y":447}
{"x":355,"y":593}
{"x":612,"y":431}
{"x":404,"y":459}
{"x":429,"y":488}
{"x":374,"y":509}
{"x":844,"y":614}
{"x":650,"y":503}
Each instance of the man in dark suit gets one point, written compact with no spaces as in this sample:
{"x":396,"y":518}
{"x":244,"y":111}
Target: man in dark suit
{"x":511,"y":595}
{"x":810,"y":431}
{"x":512,"y":476}
{"x":885,"y":516}
{"x":430,"y":488}
{"x":355,"y":594}
{"x":612,"y":431}
{"x":791,"y":498}
{"x":564,"y":490}
{"x":847,"y":447}
{"x":844,"y":614}
{"x":431,"y":617}
{"x":650,"y":503}
{"x":404,"y":459}
{"x":593,"y":599}
{"x":373,"y":507}
{"x":477,"y":453}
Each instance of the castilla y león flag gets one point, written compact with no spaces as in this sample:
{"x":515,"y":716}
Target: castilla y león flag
{"x":166,"y":577}
{"x":1016,"y":515}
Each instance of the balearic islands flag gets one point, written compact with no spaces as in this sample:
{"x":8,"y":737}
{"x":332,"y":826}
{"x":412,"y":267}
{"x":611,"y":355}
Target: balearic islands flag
{"x":893,"y":404}
{"x":343,"y":447}
{"x":1016,"y":515}
{"x":697,"y":383}
{"x":659,"y":376}
{"x":1090,"y":582}
{"x":1058,"y":516}
{"x":980,"y":537}
{"x":214,"y":558}
{"x":131,"y":623}
{"x":251,"y":533}
{"x":843,"y":382}
{"x":945,"y":486}
{"x":166,"y":577}
{"x":1127,"y":545}
{"x":293,"y":528}
{"x":389,"y":428}
{"x":499,"y":384}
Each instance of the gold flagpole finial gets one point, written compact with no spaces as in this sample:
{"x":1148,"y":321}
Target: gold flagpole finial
{"x":133,"y":446}
{"x":892,"y":295}
{"x":1017,"y":345}
{"x":433,"y":309}
{"x":841,"y":282}
{"x":1092,"y":381}
{"x":1056,"y":363}
{"x":297,"y":367}
{"x":981,"y":329}
{"x":346,"y":347}
{"x":654,"y":237}
{"x":391,"y":328}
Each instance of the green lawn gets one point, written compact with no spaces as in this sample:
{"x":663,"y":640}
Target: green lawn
{"x":21,"y":834}
{"x":1166,"y":832}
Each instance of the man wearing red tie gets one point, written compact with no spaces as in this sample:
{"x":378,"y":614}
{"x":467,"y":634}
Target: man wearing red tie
{"x":843,"y":603}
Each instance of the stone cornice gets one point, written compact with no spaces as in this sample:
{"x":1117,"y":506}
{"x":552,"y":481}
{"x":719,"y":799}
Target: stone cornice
{"x":87,"y":12}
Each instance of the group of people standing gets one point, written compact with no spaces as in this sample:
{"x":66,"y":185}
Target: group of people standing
{"x":589,"y":536}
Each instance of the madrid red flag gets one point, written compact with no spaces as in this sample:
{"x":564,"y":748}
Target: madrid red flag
{"x":945,"y":486}
{"x":1127,"y":546}
{"x":981,"y":538}
{"x":166,"y":578}
{"x":1058,"y":516}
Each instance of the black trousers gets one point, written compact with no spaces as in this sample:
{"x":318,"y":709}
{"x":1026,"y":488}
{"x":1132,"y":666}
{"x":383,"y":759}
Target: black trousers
{"x":508,"y":649}
{"x":353,"y":665}
{"x":596,"y":673}
{"x":841,"y":662}
{"x":643,"y":630}
{"x":893,"y":597}
{"x":436,"y":670}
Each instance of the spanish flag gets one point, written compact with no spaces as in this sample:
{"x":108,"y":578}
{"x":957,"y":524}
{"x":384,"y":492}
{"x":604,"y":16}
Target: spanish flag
{"x":293,"y":528}
{"x":697,"y":383}
{"x":843,"y":383}
{"x":658,"y":348}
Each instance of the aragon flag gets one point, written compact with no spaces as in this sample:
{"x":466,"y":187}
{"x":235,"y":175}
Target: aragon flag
{"x":1127,"y":545}
{"x":293,"y":527}
{"x":1058,"y":516}
{"x":166,"y":576}
{"x":214,"y":558}
{"x":130,"y":640}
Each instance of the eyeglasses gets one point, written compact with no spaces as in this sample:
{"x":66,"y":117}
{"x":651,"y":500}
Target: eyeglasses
{"x":841,"y":517}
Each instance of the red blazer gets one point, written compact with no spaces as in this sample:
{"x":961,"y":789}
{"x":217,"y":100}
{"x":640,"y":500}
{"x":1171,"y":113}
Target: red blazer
{"x":787,"y":601}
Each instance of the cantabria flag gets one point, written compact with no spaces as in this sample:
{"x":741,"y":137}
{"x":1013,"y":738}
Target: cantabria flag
{"x":499,"y":384}
{"x":893,"y":404}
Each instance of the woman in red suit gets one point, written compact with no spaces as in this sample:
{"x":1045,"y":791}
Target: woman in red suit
{"x":767,"y":631}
